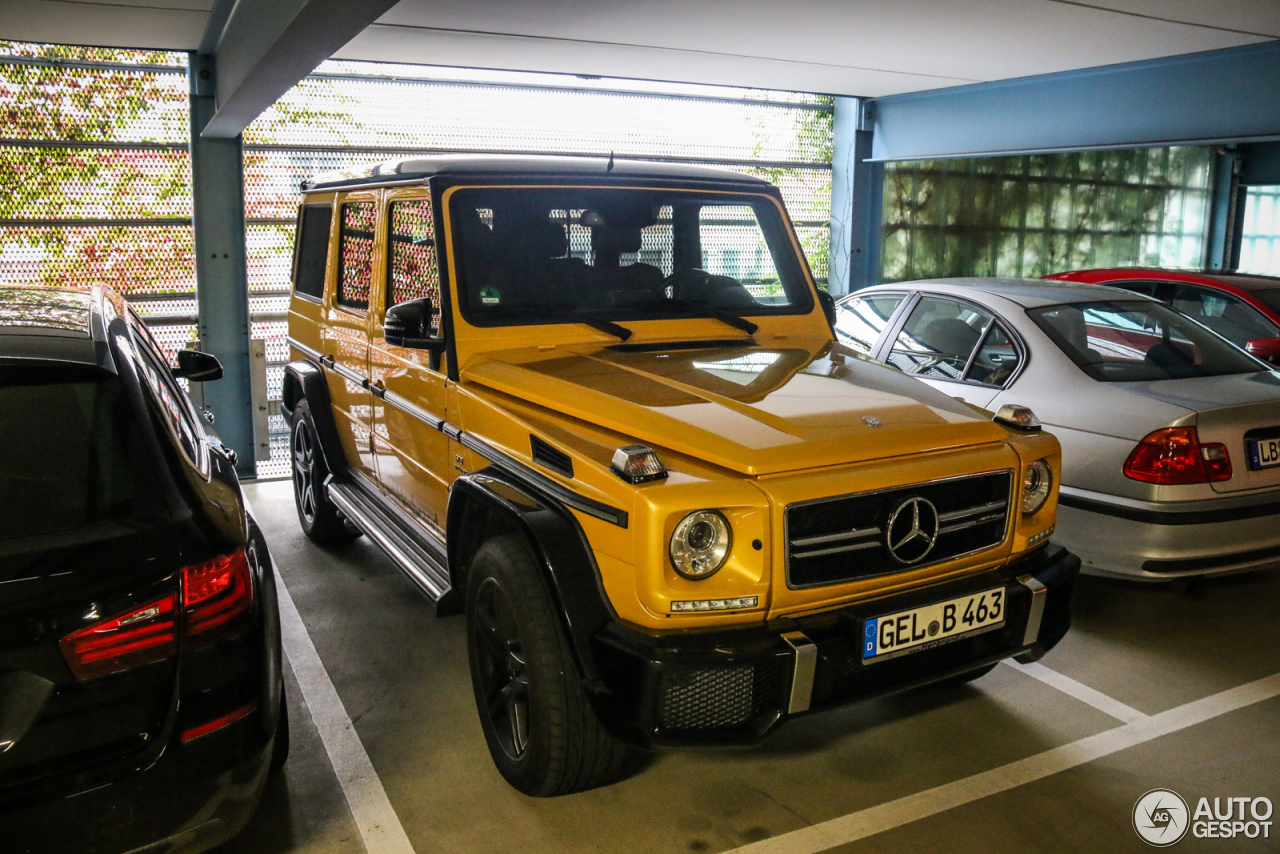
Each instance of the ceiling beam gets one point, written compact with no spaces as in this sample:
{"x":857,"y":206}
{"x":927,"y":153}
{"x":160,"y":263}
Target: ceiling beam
{"x":1198,"y":98}
{"x":267,"y":46}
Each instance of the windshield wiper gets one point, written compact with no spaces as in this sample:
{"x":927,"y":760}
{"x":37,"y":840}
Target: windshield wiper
{"x":622,"y":333}
{"x":705,"y":310}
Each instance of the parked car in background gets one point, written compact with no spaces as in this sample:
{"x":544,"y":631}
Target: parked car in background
{"x":1170,"y":435}
{"x":597,"y":407}
{"x":141,"y":697}
{"x":1243,"y":309}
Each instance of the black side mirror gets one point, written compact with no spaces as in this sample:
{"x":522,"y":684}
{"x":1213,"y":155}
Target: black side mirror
{"x":828,"y":307}
{"x":407,"y":324}
{"x":198,"y":367}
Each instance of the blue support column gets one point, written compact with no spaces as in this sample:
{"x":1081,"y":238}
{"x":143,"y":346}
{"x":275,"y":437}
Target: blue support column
{"x":1226,"y":212}
{"x":857,"y":199}
{"x":222,"y":292}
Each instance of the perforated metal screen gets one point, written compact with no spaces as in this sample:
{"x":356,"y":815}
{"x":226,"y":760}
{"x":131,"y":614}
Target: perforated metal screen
{"x":95,"y":170}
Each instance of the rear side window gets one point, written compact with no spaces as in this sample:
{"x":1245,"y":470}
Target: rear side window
{"x":73,"y":454}
{"x":312,"y":251}
{"x":861,"y":321}
{"x":355,"y":254}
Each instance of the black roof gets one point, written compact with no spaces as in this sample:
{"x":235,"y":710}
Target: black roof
{"x":486,"y":165}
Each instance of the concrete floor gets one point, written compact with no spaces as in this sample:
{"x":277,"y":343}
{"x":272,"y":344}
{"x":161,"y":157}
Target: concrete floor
{"x":1009,"y":763}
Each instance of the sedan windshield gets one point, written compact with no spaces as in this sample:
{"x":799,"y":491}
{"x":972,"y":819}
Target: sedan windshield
{"x":529,"y":255}
{"x":1139,"y":341}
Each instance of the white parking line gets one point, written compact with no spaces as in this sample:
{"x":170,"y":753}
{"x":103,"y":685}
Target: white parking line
{"x":878,"y":819}
{"x":379,"y":826}
{"x":1080,"y":691}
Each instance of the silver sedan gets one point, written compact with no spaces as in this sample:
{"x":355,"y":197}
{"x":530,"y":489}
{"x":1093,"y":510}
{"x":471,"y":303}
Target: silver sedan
{"x":1170,"y":435}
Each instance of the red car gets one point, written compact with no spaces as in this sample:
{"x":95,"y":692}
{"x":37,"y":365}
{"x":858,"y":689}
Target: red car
{"x":1243,"y":309}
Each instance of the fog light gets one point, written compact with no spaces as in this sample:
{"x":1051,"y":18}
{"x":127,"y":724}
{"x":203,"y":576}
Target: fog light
{"x":1036,"y":539}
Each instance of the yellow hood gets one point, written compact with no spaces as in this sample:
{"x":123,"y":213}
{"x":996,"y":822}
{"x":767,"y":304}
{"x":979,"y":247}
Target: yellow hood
{"x":782,"y":406}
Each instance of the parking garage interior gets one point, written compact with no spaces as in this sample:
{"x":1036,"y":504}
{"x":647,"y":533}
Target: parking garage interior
{"x":914,"y":140}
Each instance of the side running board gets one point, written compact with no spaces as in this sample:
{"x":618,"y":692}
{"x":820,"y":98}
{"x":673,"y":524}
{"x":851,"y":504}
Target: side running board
{"x":425,"y":566}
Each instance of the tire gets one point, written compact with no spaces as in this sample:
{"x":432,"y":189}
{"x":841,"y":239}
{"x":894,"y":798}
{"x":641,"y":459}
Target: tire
{"x":317,"y":515}
{"x":541,"y":731}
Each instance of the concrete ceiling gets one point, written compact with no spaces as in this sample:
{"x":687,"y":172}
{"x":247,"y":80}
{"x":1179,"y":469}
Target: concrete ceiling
{"x":849,"y":47}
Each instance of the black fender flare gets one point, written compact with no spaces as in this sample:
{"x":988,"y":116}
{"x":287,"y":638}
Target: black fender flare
{"x":491,"y":502}
{"x":304,"y":379}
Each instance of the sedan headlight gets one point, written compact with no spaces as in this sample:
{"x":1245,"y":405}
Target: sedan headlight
{"x":700,"y":544}
{"x":1036,"y":482}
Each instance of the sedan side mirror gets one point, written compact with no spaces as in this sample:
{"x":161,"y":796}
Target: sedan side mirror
{"x":1266,"y":349}
{"x":198,"y":367}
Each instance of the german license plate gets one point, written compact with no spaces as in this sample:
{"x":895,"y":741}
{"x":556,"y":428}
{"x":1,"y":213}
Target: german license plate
{"x":932,"y":625}
{"x":1263,"y":453}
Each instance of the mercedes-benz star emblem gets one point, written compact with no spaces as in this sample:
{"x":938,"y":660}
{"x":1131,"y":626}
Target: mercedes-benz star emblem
{"x":912,"y":530}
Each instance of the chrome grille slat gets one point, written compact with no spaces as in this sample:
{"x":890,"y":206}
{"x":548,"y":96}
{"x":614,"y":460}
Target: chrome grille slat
{"x":973,"y":513}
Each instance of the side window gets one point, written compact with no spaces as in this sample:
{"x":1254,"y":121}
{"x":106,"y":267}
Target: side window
{"x":1227,"y":315}
{"x":355,"y":254}
{"x":412,"y":272}
{"x":861,"y":321}
{"x":312,"y":250}
{"x":168,"y":397}
{"x":996,"y":360}
{"x":938,"y":338}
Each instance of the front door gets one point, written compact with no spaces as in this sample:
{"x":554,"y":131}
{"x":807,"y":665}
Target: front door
{"x":414,"y":458}
{"x":344,"y":341}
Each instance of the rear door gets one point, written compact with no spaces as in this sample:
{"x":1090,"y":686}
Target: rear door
{"x":84,"y":538}
{"x":344,"y":330}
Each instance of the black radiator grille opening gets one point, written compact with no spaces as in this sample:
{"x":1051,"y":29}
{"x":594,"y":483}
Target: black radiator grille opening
{"x":842,"y":539}
{"x":717,"y":697}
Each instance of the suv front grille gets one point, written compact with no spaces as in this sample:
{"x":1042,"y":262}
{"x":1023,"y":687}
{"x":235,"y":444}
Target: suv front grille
{"x":833,"y":540}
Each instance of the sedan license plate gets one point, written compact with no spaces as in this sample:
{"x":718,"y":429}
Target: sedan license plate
{"x":1263,"y":453}
{"x":932,"y":625}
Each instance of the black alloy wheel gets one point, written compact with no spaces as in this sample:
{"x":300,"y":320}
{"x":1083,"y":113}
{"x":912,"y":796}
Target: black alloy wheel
{"x":503,"y":672}
{"x":541,"y":731}
{"x":319,"y":518}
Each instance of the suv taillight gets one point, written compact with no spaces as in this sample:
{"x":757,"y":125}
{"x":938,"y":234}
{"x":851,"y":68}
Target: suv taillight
{"x":1175,"y":456}
{"x":217,"y":596}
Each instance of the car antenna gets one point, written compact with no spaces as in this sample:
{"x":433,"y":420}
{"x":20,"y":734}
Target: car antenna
{"x":609,"y":168}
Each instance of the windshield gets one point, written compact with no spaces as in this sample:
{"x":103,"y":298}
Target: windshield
{"x":1139,"y":341}
{"x":528,"y":255}
{"x":73,"y":455}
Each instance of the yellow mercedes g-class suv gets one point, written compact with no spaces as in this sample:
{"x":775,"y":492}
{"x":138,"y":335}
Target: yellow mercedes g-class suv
{"x":597,"y":407}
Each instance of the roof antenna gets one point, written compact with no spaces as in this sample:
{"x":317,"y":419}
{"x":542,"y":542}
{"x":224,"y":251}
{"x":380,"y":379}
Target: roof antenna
{"x":609,"y":168}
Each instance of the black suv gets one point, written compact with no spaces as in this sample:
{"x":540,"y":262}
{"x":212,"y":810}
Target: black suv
{"x":141,"y":698}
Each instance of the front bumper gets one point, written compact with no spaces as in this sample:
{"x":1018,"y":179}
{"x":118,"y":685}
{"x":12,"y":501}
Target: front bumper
{"x":728,"y":688}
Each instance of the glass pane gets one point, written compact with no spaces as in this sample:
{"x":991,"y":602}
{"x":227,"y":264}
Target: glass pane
{"x":861,"y":320}
{"x":938,"y":338}
{"x":355,"y":254}
{"x":313,"y":250}
{"x":1227,"y":315}
{"x":73,"y":453}
{"x":1131,"y":341}
{"x":412,"y":273}
{"x":996,"y":360}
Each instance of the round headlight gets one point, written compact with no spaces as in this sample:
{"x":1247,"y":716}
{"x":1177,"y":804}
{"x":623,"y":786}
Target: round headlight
{"x":1035,"y":486}
{"x":700,"y":544}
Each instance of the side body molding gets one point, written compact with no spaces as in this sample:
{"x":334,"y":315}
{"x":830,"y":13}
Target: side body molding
{"x":305,"y":379}
{"x":490,"y":502}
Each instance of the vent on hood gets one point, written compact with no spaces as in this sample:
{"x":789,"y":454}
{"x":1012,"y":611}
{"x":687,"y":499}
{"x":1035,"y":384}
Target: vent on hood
{"x":549,"y":457}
